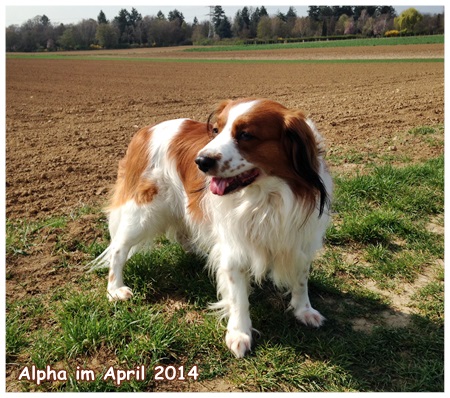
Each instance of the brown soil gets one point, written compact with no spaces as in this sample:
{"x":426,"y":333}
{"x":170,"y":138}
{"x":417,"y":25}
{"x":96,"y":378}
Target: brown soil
{"x":68,"y":122}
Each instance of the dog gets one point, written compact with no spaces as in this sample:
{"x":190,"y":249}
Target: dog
{"x":250,"y":188}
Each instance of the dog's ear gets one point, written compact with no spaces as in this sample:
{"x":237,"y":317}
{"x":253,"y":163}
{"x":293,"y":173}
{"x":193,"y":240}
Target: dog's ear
{"x":221,"y":106}
{"x":217,"y":111}
{"x":302,"y":151}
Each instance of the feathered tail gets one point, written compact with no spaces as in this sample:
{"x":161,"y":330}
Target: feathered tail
{"x":102,"y":261}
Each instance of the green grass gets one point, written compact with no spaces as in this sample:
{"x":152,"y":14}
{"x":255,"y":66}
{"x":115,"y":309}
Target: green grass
{"x":422,"y":130}
{"x":431,"y":301}
{"x":20,"y":235}
{"x":385,"y":212}
{"x":378,"y":238}
{"x":437,"y":39}
{"x":414,"y":190}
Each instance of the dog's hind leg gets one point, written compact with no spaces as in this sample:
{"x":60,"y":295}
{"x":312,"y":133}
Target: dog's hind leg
{"x":133,"y":225}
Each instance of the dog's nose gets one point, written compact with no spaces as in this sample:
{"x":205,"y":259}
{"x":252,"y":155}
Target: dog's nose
{"x":205,"y":163}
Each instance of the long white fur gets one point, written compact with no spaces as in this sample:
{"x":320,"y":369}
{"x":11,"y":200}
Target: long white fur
{"x":257,"y":231}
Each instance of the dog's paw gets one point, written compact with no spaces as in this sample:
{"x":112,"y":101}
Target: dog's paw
{"x":122,"y":293}
{"x":238,"y":342}
{"x":310,"y":317}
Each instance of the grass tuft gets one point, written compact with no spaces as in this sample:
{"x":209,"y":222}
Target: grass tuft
{"x":424,"y":130}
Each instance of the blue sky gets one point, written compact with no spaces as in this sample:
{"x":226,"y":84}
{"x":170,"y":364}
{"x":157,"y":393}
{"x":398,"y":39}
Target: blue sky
{"x":20,"y":11}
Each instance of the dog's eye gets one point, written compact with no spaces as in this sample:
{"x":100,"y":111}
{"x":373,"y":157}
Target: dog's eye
{"x":244,"y":136}
{"x":215,"y":131}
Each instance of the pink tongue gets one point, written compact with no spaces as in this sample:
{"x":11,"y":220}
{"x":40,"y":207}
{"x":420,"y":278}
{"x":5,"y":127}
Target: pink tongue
{"x":218,"y":185}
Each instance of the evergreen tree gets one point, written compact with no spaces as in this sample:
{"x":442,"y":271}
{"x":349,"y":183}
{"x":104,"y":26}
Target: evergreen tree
{"x":263,"y":12}
{"x":291,"y":17}
{"x":222,"y":25}
{"x":324,"y":28}
{"x":314,"y":13}
{"x":45,"y":21}
{"x":218,"y":16}
{"x":245,"y":15}
{"x":389,"y":10}
{"x":238,"y":24}
{"x":177,"y":16}
{"x":341,"y":10}
{"x":101,"y":19}
{"x":254,"y":21}
{"x":281,"y":16}
{"x":347,"y":10}
{"x":371,"y":10}
{"x":325,"y":12}
{"x":291,"y":13}
{"x":224,"y":28}
{"x":134,"y":17}
{"x":122,"y":22}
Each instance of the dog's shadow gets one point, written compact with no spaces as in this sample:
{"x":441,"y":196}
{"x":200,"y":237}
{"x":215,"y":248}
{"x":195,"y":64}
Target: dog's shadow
{"x":360,"y":328}
{"x":167,"y":271}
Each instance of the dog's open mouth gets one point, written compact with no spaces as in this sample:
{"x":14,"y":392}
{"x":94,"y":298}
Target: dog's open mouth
{"x":223,"y":186}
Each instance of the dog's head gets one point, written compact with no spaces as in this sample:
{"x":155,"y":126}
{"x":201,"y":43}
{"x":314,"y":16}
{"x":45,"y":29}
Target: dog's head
{"x":252,"y":139}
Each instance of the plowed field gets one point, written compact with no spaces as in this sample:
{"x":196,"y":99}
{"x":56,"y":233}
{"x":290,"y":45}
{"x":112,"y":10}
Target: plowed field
{"x":68,"y":122}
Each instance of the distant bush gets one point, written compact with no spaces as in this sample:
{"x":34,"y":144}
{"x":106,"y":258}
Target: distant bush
{"x":95,"y":47}
{"x":392,"y":33}
{"x":186,"y":42}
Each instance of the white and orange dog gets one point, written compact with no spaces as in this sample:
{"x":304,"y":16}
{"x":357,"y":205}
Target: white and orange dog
{"x":250,"y":188}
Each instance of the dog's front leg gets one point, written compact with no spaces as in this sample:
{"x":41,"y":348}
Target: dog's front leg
{"x":233,"y":286}
{"x":300,"y":303}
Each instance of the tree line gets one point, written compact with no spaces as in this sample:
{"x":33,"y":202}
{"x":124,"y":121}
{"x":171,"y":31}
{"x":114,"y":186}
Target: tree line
{"x":131,"y":29}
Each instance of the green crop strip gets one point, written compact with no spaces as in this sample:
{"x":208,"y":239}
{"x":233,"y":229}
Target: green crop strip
{"x":437,"y":39}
